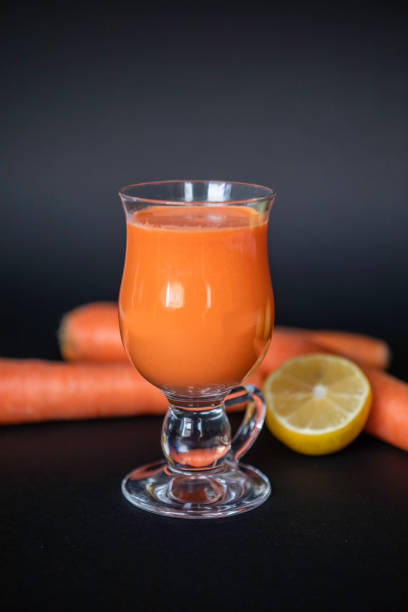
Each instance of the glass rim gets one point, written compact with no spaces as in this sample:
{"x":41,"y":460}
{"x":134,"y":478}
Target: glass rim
{"x":269,"y":193}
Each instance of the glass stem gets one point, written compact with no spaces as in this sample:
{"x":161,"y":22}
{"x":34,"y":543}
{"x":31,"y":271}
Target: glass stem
{"x":195,"y":437}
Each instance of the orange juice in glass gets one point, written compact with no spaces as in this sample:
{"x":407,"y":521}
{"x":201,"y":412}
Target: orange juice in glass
{"x":196,"y":314}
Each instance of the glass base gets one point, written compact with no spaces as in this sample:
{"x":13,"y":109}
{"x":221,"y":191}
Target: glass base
{"x":231,"y":489}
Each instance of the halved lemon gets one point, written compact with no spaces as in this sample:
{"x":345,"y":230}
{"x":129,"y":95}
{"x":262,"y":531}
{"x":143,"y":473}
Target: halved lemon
{"x":317,"y":404}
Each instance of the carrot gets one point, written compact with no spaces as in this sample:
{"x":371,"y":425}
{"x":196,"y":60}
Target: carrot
{"x":91,"y":333}
{"x":285,"y":345}
{"x":36,"y":390}
{"x":367,"y":350}
{"x":388,"y":418}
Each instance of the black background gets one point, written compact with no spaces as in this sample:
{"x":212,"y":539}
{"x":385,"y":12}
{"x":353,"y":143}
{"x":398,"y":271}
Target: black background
{"x":309,"y":99}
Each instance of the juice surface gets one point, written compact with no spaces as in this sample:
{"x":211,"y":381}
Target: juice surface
{"x":196,"y":305}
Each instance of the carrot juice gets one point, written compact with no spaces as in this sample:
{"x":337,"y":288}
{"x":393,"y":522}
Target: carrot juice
{"x":196,"y":305}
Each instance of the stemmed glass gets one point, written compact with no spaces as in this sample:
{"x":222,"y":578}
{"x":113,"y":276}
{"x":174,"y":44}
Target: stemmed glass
{"x":196,"y":313}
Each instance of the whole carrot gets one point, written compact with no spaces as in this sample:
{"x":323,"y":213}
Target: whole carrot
{"x":91,"y":333}
{"x":36,"y":390}
{"x":388,"y":418}
{"x":372,"y":352}
{"x":286,"y":345}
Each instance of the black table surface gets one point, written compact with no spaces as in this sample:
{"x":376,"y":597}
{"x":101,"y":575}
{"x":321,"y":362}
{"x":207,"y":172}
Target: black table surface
{"x":333,"y":535}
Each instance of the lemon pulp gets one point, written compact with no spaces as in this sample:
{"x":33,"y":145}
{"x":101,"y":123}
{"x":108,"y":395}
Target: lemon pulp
{"x":318,"y":403}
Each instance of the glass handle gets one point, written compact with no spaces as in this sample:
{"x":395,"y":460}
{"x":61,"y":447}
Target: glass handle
{"x":253,"y":419}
